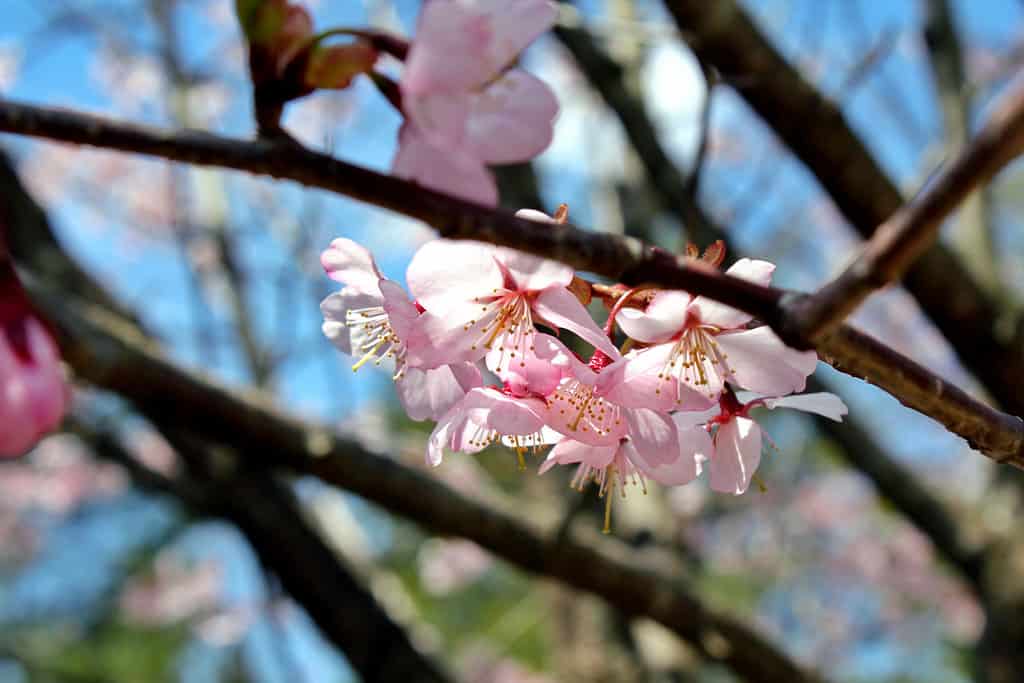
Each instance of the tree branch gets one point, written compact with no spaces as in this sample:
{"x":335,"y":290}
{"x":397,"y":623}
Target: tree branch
{"x":891,"y":480}
{"x":997,"y":435}
{"x":722,"y":34}
{"x":311,"y":572}
{"x":913,"y":228}
{"x":108,"y":353}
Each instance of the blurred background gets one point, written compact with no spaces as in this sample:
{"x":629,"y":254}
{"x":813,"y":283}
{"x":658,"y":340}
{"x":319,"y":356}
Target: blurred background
{"x":104,"y":579}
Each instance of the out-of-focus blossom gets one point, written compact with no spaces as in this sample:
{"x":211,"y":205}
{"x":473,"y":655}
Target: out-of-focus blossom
{"x":448,"y":565}
{"x":10,"y":66}
{"x":33,"y":394}
{"x":173,"y":593}
{"x":464,"y":107}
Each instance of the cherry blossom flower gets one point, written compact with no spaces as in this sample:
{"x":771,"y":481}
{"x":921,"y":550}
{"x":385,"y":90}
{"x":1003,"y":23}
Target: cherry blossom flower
{"x":463,"y":109}
{"x":513,"y":414}
{"x":733,"y":450}
{"x":485,"y":301}
{"x":581,"y":409}
{"x":372,"y":319}
{"x":33,"y":394}
{"x":702,"y":344}
{"x":486,"y":415}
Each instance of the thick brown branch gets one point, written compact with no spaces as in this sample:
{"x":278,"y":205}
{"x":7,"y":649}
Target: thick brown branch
{"x":723,"y":35}
{"x":109,"y":354}
{"x":617,"y":257}
{"x":623,"y":258}
{"x":913,"y":229}
{"x":310,"y":571}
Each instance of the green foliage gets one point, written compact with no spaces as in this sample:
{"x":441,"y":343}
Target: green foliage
{"x":115,"y":652}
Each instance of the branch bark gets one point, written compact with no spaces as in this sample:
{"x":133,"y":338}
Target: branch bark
{"x":109,"y":353}
{"x":310,"y":571}
{"x":997,"y":435}
{"x":898,"y":242}
{"x":814,"y":128}
{"x":892,"y":481}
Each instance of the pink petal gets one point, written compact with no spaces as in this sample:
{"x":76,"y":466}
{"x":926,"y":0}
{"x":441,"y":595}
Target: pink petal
{"x":570,"y":451}
{"x":335,"y":310}
{"x":695,"y":448}
{"x":561,"y":307}
{"x":429,"y":394}
{"x":532,"y":273}
{"x":445,"y":274}
{"x":447,"y":338}
{"x":513,"y":416}
{"x":737,"y":455}
{"x":653,"y":435}
{"x":512,"y":120}
{"x":447,"y":170}
{"x":516,"y":24}
{"x":689,"y":419}
{"x":664,"y":317}
{"x":33,"y":394}
{"x":558,"y":354}
{"x":352,"y":264}
{"x":762,"y":363}
{"x":441,"y":119}
{"x":821,"y":403}
{"x":454,"y":431}
{"x":402,"y":313}
{"x":641,"y":381}
{"x":533,"y":377}
{"x":449,"y":51}
{"x":711,"y":312}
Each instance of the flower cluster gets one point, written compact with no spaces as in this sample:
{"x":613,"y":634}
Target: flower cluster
{"x":479,"y":349}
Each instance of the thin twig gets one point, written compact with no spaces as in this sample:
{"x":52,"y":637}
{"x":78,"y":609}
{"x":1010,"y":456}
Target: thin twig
{"x":912,"y":229}
{"x":821,"y":137}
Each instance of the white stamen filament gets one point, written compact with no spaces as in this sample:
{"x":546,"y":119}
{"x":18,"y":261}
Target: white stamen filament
{"x":693,"y":359}
{"x":380,"y":342}
{"x":505,"y":321}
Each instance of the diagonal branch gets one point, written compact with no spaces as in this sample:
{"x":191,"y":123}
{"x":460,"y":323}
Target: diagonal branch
{"x":893,"y":482}
{"x":913,"y":228}
{"x":814,"y":128}
{"x":997,"y":435}
{"x":105,"y":351}
{"x":312,"y":573}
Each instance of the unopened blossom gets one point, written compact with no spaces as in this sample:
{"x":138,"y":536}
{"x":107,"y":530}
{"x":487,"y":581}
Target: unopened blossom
{"x":697,"y":345}
{"x":373,"y":320}
{"x":464,"y":107}
{"x":729,"y":441}
{"x":485,"y":301}
{"x":33,"y":394}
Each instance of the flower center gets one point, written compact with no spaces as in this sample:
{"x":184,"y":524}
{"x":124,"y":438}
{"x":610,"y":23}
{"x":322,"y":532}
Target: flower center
{"x":697,"y":361}
{"x":506,"y":324}
{"x":584,"y":411}
{"x":373,"y":337}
